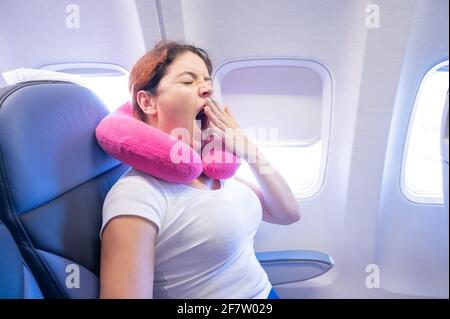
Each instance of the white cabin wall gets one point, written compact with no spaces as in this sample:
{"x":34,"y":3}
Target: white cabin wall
{"x":412,"y":239}
{"x":385,"y":50}
{"x":171,"y":16}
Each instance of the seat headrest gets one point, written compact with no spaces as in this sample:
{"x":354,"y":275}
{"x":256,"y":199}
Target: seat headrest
{"x":47,"y":140}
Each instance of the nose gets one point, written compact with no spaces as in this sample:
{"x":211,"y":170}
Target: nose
{"x":206,"y":90}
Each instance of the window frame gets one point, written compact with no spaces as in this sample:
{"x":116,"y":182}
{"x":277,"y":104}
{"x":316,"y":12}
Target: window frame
{"x":89,"y":69}
{"x":327,"y":107}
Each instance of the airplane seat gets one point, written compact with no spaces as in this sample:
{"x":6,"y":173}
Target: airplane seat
{"x":16,"y":280}
{"x":53,"y":181}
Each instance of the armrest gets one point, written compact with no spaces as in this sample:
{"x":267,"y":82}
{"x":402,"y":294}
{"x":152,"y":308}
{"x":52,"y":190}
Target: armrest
{"x":294,"y":265}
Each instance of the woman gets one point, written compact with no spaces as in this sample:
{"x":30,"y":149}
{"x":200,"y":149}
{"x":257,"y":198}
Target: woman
{"x":164,"y":240}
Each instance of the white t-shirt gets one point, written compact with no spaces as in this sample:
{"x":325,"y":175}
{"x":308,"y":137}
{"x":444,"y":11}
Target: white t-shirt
{"x":204,"y":246}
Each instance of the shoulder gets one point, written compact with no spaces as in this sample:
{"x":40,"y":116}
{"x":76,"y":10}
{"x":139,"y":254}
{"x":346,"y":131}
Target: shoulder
{"x":134,"y":177}
{"x":138,"y":194}
{"x":138,"y":188}
{"x":134,"y":181}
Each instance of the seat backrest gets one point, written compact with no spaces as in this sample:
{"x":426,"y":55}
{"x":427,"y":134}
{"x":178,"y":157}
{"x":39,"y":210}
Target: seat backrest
{"x":16,"y":280}
{"x":53,"y":181}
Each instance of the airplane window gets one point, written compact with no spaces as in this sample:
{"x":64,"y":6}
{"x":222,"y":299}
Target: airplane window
{"x":108,"y":81}
{"x":113,"y":90}
{"x":285,"y":104}
{"x":422,"y":170}
{"x":299,"y":165}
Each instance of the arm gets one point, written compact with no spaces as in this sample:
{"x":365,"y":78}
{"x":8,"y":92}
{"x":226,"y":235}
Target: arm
{"x":278,"y":203}
{"x":128,"y":258}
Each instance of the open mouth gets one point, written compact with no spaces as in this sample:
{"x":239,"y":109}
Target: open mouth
{"x":203,"y":118}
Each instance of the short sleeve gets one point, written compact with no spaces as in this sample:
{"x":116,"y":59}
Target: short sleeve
{"x":135,"y":194}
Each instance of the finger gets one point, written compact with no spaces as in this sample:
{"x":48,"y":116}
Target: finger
{"x":222,"y":115}
{"x":215,"y":103}
{"x":215,"y":108}
{"x":228,"y":111}
{"x":213,"y":117}
{"x":230,"y":120}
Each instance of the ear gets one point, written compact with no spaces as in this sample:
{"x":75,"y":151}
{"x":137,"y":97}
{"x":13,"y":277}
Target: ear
{"x":146,"y":102}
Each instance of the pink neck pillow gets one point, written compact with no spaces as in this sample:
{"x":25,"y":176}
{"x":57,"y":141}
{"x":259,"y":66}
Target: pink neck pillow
{"x":148,"y":149}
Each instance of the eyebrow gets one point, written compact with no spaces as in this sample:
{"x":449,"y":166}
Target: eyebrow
{"x":207,"y":78}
